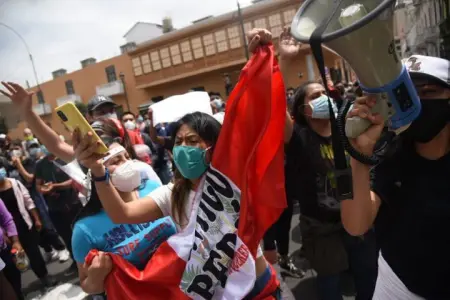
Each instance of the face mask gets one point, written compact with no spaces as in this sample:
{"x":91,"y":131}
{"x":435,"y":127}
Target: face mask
{"x":2,"y":174}
{"x":45,"y":150}
{"x":28,"y":138}
{"x":34,"y":152}
{"x":320,"y":108}
{"x":110,"y":116}
{"x":127,"y":177}
{"x":17,"y":153}
{"x":190,"y":161}
{"x":434,"y":116}
{"x":130,"y":125}
{"x":140,"y":119}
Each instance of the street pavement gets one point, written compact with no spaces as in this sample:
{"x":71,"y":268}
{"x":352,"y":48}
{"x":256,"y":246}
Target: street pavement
{"x":293,"y":288}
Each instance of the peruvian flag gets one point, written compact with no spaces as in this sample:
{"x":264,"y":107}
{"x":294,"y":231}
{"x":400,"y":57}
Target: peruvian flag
{"x":241,"y":195}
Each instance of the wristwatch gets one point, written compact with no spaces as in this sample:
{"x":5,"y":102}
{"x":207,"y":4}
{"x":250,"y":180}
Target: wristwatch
{"x":104,"y":178}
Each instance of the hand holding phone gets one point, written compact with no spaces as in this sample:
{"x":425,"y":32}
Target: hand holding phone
{"x":73,"y":119}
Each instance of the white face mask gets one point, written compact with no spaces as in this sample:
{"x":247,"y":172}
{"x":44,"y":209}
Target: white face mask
{"x":17,"y":153}
{"x":110,"y":116}
{"x":130,"y":125}
{"x":126,"y":177}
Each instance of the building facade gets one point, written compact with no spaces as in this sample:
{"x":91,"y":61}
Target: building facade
{"x":198,"y":57}
{"x":424,"y":27}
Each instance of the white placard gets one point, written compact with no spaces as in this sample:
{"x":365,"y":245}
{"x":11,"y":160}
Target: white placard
{"x":174,"y":108}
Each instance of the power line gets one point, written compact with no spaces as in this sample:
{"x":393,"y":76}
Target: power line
{"x":28,"y":51}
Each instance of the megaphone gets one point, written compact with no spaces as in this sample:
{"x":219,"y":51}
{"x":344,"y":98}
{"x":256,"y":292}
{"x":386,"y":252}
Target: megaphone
{"x":361,"y":32}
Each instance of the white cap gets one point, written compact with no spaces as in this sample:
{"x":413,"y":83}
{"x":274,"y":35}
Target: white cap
{"x":429,"y":66}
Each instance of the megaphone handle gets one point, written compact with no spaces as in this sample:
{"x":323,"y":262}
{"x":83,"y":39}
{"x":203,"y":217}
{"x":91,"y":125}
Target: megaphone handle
{"x":355,"y":126}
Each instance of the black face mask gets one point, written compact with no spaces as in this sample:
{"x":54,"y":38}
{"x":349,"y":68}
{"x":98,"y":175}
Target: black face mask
{"x":433,"y":118}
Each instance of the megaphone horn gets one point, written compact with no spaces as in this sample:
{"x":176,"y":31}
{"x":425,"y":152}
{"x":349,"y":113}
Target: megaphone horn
{"x":361,"y":32}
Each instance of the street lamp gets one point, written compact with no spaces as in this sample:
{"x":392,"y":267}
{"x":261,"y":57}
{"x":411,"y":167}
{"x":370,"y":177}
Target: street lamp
{"x":28,"y":51}
{"x":122,"y":78}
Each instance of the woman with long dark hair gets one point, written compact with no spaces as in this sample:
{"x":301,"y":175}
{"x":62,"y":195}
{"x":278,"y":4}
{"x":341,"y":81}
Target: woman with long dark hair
{"x":93,"y":229}
{"x":195,"y":136}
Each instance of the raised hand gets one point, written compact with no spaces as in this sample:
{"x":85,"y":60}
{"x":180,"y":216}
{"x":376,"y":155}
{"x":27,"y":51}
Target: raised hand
{"x":365,"y":143}
{"x":258,"y":37}
{"x":288,"y":46}
{"x":85,"y":150}
{"x":19,"y":96}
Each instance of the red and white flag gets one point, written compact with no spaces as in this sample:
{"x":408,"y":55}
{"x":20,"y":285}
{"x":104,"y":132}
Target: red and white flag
{"x":241,"y":195}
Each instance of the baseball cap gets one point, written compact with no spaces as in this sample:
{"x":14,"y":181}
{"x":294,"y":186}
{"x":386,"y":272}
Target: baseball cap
{"x":421,"y":66}
{"x":32,"y":143}
{"x":97,"y":101}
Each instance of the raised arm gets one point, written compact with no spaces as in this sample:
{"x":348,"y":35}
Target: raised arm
{"x":133,"y":212}
{"x":359,"y":213}
{"x":23,"y":101}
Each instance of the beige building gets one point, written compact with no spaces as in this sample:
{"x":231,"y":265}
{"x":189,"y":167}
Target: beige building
{"x":195,"y":57}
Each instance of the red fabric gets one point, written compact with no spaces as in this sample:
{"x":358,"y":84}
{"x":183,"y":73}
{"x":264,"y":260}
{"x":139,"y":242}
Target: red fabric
{"x":268,"y":292}
{"x":250,"y":152}
{"x":254,"y":127}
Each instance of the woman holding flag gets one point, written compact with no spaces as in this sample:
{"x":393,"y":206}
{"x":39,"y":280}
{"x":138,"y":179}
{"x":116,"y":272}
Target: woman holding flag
{"x":220,"y":201}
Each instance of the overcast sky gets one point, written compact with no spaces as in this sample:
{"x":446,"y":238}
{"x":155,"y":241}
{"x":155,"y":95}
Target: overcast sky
{"x":61,"y":33}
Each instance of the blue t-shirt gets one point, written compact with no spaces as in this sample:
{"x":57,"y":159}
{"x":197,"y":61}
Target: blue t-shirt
{"x":134,"y":242}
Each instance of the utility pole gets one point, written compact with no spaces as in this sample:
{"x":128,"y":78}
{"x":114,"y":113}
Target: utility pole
{"x":244,"y":37}
{"x":28,"y":51}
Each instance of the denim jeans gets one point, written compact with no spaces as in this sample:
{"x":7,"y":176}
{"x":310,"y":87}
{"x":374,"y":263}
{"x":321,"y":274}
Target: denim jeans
{"x":362,"y":257}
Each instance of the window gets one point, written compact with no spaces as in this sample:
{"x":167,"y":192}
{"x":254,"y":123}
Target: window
{"x":154,"y":56}
{"x":275,"y":25}
{"x":260,"y":23}
{"x":186,"y":50}
{"x":69,"y":87}
{"x":198,"y":89}
{"x":146,"y":65}
{"x":197,"y":47}
{"x":175,"y":53}
{"x":288,"y":16}
{"x":208,"y":41}
{"x":247,"y":27}
{"x":40,"y":97}
{"x":111,"y":73}
{"x":234,"y":37}
{"x":137,"y":68}
{"x":165,"y":57}
{"x":157,"y":98}
{"x":221,"y":40}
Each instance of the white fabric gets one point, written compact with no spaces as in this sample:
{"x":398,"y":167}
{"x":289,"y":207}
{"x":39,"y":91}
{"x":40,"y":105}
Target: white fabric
{"x":2,"y":264}
{"x":220,"y":117}
{"x":162,"y":198}
{"x":73,"y":170}
{"x":65,"y":291}
{"x":147,"y":171}
{"x":428,"y":65}
{"x":389,"y":286}
{"x":174,"y":108}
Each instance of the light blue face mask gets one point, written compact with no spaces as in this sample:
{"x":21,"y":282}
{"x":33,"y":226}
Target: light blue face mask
{"x":2,"y":174}
{"x":34,"y":152}
{"x":45,"y":150}
{"x":190,"y":161}
{"x":320,"y":109}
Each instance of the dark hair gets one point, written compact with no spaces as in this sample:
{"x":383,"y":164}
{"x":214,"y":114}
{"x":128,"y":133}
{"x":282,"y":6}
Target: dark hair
{"x":109,"y":133}
{"x":290,"y":89}
{"x":208,"y":128}
{"x":16,"y":143}
{"x":298,"y":109}
{"x":128,"y":113}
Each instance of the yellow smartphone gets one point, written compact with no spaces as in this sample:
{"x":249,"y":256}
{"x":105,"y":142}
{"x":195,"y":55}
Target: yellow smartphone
{"x":72,"y":119}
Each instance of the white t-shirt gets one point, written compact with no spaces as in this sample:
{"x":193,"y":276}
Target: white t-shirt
{"x":162,"y":198}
